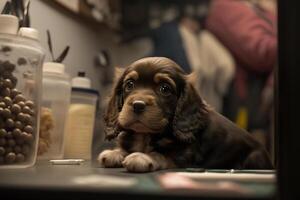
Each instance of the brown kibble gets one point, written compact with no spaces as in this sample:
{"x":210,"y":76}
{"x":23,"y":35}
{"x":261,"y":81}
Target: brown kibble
{"x":22,"y":61}
{"x":6,"y":113}
{"x":25,"y":149}
{"x":19,"y":125}
{"x":21,"y":104}
{"x":10,"y":157}
{"x":23,"y":136}
{"x":6,"y":49}
{"x":9,"y":149}
{"x":2,"y":141}
{"x":28,"y":129}
{"x":16,"y":109}
{"x":26,"y":110}
{"x":20,"y":157}
{"x":19,"y":98}
{"x":14,"y":92}
{"x":29,"y":103}
{"x":2,"y":105}
{"x":27,"y":118}
{"x":29,"y":138}
{"x":7,"y":83}
{"x":9,"y":135}
{"x":17,"y":149}
{"x":20,"y":141}
{"x":9,"y":123}
{"x":7,"y":100}
{"x":2,"y":151}
{"x":2,"y":132}
{"x":16,"y":133}
{"x":5,"y":92}
{"x":11,"y":143}
{"x":21,"y":117}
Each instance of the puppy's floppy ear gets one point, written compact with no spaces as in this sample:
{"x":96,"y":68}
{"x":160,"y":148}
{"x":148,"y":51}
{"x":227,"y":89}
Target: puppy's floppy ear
{"x":191,"y":114}
{"x":115,"y":104}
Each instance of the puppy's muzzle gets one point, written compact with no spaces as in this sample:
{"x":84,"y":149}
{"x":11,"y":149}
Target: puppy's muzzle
{"x":139,"y":106}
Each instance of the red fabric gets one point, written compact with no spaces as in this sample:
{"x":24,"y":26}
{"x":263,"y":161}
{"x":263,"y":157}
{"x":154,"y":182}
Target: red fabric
{"x":251,"y":39}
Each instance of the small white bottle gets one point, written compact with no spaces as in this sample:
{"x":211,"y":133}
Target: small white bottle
{"x":55,"y":106}
{"x":81,"y":118}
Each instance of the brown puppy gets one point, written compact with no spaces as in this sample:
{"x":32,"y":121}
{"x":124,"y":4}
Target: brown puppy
{"x":160,"y":122}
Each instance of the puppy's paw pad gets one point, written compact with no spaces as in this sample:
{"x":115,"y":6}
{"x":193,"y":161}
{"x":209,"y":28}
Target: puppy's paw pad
{"x":140,"y":162}
{"x":111,"y":158}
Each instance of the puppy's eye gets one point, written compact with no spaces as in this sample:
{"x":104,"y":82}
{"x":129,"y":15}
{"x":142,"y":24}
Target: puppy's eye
{"x":129,"y":85}
{"x":165,"y":89}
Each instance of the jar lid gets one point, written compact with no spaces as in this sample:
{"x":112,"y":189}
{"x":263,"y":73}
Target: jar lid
{"x":81,"y":81}
{"x":9,"y":24}
{"x":54,"y":67}
{"x":29,"y":32}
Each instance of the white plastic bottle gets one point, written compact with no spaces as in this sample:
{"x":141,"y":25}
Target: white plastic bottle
{"x":55,"y":106}
{"x":81,"y":118}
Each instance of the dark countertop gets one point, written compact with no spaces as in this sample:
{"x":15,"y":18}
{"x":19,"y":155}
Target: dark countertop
{"x":92,"y":182}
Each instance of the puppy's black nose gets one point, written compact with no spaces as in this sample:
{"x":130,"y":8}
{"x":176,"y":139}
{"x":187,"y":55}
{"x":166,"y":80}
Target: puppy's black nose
{"x":139,"y":106}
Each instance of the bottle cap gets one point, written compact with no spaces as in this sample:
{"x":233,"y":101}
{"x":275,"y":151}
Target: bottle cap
{"x":54,"y":67}
{"x":81,"y":81}
{"x":9,"y":24}
{"x":29,"y":32}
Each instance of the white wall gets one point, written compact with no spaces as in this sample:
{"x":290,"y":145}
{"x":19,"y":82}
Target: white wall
{"x":84,"y":41}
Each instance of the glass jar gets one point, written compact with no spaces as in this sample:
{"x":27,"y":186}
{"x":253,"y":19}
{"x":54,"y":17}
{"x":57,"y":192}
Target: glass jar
{"x":21,"y":59}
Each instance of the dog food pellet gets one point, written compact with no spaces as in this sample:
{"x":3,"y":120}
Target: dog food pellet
{"x":21,"y":117}
{"x":7,"y":83}
{"x":28,"y":129}
{"x":14,"y":92}
{"x":6,"y":113}
{"x":18,"y":124}
{"x":19,"y":98}
{"x":26,"y":110}
{"x":9,"y":135}
{"x":20,"y":141}
{"x":5,"y":49}
{"x":22,"y":61}
{"x":29,"y":103}
{"x":9,"y":123}
{"x":20,"y":157}
{"x":11,"y":143}
{"x":2,"y":141}
{"x":9,"y":149}
{"x":5,"y":92}
{"x":7,"y":101}
{"x":10,"y":157}
{"x":15,"y":108}
{"x":21,"y":104}
{"x":16,"y":133}
{"x":17,"y":149}
{"x":2,"y":105}
{"x":2,"y":151}
{"x":2,"y":132}
{"x":25,"y":149}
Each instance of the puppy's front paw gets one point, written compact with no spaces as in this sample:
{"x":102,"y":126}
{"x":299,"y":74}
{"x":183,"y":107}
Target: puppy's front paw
{"x":140,"y":162}
{"x":111,"y":158}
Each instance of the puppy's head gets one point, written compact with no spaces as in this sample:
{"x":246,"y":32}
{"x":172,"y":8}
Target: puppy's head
{"x":154,"y":95}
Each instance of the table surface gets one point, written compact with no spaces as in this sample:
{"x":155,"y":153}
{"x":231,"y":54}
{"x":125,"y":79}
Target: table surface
{"x":90,"y":179}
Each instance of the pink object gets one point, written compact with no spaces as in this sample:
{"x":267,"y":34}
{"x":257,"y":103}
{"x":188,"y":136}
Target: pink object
{"x":250,"y":35}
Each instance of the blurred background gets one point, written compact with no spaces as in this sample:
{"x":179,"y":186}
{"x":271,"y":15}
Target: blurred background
{"x":230,"y":44}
